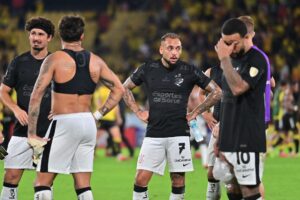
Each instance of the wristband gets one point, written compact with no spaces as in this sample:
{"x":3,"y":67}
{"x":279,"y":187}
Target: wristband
{"x":97,"y":115}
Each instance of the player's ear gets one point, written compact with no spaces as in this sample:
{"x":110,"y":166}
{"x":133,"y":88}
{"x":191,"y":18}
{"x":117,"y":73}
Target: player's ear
{"x":247,"y":36}
{"x":160,"y":49}
{"x":50,"y":38}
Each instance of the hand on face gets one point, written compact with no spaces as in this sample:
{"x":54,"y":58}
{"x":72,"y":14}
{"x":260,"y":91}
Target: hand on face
{"x":223,"y":50}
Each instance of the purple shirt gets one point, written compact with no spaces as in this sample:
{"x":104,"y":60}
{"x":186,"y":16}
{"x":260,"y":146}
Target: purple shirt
{"x":268,"y":87}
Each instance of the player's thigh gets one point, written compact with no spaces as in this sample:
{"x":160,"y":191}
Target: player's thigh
{"x":246,"y":167}
{"x":179,"y":154}
{"x":19,"y":154}
{"x":152,"y":155}
{"x":211,"y":157}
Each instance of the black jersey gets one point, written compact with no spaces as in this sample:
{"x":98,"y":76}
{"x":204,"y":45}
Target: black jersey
{"x":216,"y":75}
{"x":168,"y":91}
{"x":21,"y":75}
{"x":82,"y":82}
{"x":242,"y":124}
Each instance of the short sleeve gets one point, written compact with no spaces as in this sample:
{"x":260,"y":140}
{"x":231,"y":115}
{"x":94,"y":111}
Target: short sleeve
{"x":138,"y":76}
{"x":201,"y":79}
{"x":254,"y":71}
{"x":9,"y":78}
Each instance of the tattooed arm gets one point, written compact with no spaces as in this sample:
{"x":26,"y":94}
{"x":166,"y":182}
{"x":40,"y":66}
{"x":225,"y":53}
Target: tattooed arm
{"x":128,"y":96}
{"x":112,"y":82}
{"x":214,"y":95}
{"x":41,"y":84}
{"x":235,"y":82}
{"x":131,"y":103}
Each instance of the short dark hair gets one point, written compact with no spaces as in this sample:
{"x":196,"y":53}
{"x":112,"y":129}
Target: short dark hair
{"x":233,"y":26}
{"x":248,"y":21}
{"x":40,"y":23}
{"x":170,"y":35}
{"x":71,"y":28}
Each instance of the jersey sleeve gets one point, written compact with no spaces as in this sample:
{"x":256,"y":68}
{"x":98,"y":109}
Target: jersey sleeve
{"x":255,"y":70}
{"x":9,"y":78}
{"x":201,"y":79}
{"x":138,"y":76}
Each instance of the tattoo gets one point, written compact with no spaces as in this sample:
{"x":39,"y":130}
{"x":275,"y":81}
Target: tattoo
{"x":36,"y":97}
{"x":34,"y":110}
{"x":234,"y":80}
{"x":128,"y":96}
{"x":107,"y":83}
{"x":212,"y":98}
{"x":104,"y":110}
{"x":45,"y":66}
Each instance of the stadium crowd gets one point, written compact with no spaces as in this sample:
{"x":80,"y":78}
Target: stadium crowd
{"x":197,"y":22}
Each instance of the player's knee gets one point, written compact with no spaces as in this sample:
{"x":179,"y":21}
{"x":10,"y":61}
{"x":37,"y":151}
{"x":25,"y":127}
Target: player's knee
{"x":210,"y":175}
{"x":232,"y":188}
{"x":177,"y":179}
{"x":12,"y":177}
{"x":142,"y":179}
{"x":250,"y":190}
{"x":233,"y":196}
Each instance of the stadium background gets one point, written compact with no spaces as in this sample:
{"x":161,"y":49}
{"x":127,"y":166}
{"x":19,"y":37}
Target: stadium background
{"x":126,"y":33}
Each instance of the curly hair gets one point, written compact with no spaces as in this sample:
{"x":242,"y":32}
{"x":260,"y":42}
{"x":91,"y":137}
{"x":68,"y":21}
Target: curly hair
{"x":40,"y":23}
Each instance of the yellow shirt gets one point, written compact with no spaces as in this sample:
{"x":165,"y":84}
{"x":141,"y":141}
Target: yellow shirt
{"x":99,"y":97}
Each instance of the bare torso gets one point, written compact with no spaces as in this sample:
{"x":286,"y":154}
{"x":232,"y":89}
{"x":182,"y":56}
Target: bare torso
{"x":64,"y":71}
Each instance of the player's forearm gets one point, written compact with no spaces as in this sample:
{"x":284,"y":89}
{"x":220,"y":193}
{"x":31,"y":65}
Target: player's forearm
{"x":113,"y":99}
{"x":233,"y":79}
{"x":33,"y":113}
{"x":212,"y":98}
{"x":130,"y":101}
{"x":8,"y":101}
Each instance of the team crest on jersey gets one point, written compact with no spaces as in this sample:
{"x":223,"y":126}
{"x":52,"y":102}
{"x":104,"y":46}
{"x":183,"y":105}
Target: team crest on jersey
{"x":178,"y":80}
{"x":253,"y":71}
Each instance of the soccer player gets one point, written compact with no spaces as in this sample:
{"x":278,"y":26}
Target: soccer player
{"x":21,"y":76}
{"x":249,"y":22}
{"x":169,"y":82}
{"x":71,"y":136}
{"x":242,"y":126}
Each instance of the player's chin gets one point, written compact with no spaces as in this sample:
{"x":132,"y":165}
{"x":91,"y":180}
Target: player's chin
{"x":173,"y":61}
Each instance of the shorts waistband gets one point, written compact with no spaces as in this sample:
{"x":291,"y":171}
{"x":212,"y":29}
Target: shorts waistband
{"x":73,"y":115}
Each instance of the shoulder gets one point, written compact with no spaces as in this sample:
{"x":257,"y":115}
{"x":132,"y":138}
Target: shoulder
{"x":257,"y":56}
{"x":151,"y":64}
{"x":22,"y":57}
{"x":186,"y":66}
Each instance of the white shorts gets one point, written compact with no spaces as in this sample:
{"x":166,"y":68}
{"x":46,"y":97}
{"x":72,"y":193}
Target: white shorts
{"x":19,"y":154}
{"x":156,"y":152}
{"x":246,"y":167}
{"x":71,"y":145}
{"x":211,"y":157}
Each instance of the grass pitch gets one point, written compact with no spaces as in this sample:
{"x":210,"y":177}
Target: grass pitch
{"x":113,"y":180}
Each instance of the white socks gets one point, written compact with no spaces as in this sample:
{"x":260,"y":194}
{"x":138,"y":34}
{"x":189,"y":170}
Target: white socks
{"x":213,"y":191}
{"x":87,"y":195}
{"x":176,"y":196}
{"x":140,"y":195}
{"x":43,"y":195}
{"x":9,"y":193}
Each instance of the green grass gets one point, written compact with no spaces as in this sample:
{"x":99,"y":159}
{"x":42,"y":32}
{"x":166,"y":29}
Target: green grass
{"x":113,"y":180}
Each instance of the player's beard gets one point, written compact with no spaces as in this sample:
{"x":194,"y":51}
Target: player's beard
{"x":38,"y":48}
{"x":239,"y":54}
{"x":171,"y":65}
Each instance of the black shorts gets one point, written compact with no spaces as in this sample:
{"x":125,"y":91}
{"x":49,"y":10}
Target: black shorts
{"x":106,"y":125}
{"x":289,"y":122}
